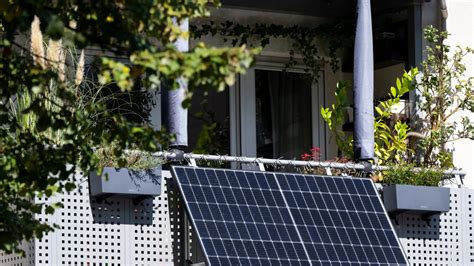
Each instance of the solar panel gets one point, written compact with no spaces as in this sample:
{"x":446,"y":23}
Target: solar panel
{"x":261,"y":218}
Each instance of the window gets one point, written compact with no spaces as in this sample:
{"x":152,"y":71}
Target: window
{"x":208,"y":123}
{"x":275,"y":113}
{"x":283,"y":114}
{"x":268,"y":113}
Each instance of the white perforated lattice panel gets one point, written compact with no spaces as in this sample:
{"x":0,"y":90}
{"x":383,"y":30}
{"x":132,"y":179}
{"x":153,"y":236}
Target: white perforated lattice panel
{"x":119,"y":232}
{"x":468,"y":232}
{"x":15,"y":260}
{"x":439,"y":239}
{"x":112,"y":232}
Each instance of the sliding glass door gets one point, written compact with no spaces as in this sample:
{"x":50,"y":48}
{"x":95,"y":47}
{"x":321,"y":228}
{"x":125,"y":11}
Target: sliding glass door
{"x":276,"y":113}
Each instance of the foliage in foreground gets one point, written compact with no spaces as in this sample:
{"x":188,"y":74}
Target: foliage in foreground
{"x":34,"y":164}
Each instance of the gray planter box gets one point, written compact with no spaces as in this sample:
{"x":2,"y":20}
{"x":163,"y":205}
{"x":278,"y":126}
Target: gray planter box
{"x":421,"y":200}
{"x":122,"y":182}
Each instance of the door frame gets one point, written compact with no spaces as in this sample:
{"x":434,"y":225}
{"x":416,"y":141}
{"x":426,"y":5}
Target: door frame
{"x":243,"y":132}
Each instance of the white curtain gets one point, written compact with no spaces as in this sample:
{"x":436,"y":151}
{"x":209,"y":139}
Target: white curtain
{"x":289,"y":103}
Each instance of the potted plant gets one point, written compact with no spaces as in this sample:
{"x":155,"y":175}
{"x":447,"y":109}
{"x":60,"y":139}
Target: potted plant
{"x":414,"y":190}
{"x":445,"y":92}
{"x":137,"y":175}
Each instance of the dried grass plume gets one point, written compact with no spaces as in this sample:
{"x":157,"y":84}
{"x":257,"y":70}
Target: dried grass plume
{"x":80,"y":69}
{"x":37,"y":48}
{"x":62,"y":65}
{"x":53,"y":54}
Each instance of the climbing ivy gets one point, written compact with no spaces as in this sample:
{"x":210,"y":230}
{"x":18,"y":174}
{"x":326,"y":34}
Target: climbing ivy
{"x":317,"y":45}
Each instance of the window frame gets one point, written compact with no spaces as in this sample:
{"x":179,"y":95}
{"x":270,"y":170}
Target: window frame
{"x":243,"y":110}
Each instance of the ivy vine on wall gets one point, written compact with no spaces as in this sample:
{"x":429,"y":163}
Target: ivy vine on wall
{"x":317,"y":45}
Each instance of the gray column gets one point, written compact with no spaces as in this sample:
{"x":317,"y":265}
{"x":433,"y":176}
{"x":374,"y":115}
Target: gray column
{"x":175,"y":117}
{"x":415,"y":57}
{"x":415,"y":35}
{"x":363,"y":84}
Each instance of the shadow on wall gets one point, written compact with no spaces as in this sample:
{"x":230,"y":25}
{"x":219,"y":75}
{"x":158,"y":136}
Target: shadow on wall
{"x":125,"y":197}
{"x":122,"y":211}
{"x":417,"y":227}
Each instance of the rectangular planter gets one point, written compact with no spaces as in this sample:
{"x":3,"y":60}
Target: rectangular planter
{"x":122,"y":182}
{"x":421,"y":200}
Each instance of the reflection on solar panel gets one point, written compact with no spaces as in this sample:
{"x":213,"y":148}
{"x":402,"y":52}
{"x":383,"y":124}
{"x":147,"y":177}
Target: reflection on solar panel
{"x":255,"y":218}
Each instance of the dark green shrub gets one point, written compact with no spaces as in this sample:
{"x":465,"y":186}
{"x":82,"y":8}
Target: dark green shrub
{"x":407,"y":175}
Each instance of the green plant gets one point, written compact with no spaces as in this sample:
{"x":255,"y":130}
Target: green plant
{"x":408,"y":175}
{"x":391,"y":144}
{"x":51,"y":56}
{"x":213,"y":137}
{"x":32,"y":163}
{"x":334,"y":118}
{"x":133,"y":160}
{"x":313,"y":44}
{"x":390,"y":137}
{"x":444,"y":92}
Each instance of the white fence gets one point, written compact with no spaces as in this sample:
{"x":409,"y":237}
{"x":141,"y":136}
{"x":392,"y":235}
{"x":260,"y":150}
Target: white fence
{"x":117,"y":232}
{"x":113,"y":232}
{"x":444,"y":239}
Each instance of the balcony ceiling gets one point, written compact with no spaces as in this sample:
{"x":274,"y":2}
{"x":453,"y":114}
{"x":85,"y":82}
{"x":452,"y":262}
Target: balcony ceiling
{"x":317,"y":8}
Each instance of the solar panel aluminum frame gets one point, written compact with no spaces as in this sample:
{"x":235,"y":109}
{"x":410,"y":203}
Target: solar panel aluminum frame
{"x":188,"y":216}
{"x":201,"y":244}
{"x":389,"y":219}
{"x":381,"y":203}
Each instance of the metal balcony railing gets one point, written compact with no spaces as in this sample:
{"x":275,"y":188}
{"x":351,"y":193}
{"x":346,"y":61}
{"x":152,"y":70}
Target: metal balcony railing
{"x":191,"y":159}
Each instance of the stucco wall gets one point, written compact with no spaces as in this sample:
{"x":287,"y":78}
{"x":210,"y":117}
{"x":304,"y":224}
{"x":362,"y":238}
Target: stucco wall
{"x":460,"y":24}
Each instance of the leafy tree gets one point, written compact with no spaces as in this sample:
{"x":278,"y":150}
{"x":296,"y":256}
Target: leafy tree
{"x":444,"y":92}
{"x":32,"y":163}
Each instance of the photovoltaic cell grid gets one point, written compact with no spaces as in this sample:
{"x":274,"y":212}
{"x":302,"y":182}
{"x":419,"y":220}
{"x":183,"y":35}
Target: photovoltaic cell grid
{"x":258,"y":218}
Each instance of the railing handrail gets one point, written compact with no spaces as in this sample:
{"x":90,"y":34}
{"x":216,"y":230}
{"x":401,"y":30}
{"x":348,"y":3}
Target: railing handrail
{"x":175,"y":155}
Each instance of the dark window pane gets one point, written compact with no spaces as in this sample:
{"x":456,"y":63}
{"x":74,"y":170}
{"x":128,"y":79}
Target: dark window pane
{"x":282,"y":132}
{"x":206,"y":110}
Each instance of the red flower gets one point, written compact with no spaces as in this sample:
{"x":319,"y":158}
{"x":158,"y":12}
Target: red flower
{"x":306,"y":157}
{"x":312,"y":156}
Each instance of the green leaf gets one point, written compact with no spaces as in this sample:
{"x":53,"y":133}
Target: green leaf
{"x":55,"y":28}
{"x":70,"y":186}
{"x":399,"y":84}
{"x":49,"y":210}
{"x":378,"y":110}
{"x":393,"y":91}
